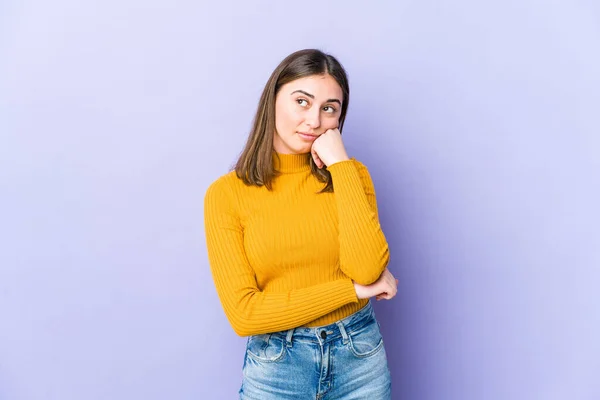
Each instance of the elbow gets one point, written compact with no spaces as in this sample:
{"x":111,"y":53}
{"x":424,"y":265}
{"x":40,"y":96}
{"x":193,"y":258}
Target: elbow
{"x":241,"y":331}
{"x":241,"y":327}
{"x":247,"y":329}
{"x":243,"y":324}
{"x":370,"y":270}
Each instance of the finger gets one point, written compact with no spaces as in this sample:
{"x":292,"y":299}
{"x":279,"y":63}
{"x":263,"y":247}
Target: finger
{"x":384,"y":276}
{"x":389,"y":275}
{"x":319,"y":162}
{"x":315,"y":154}
{"x":316,"y":158}
{"x":386,"y":296}
{"x":391,"y":291}
{"x":391,"y":280}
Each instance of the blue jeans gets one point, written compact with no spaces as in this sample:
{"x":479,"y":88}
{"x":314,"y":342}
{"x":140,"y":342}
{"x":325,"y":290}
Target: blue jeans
{"x":345,"y":360}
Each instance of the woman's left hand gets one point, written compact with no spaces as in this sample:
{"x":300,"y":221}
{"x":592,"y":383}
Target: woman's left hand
{"x":329,"y":149}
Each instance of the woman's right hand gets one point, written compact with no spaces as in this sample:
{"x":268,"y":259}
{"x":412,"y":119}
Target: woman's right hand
{"x":385,"y":287}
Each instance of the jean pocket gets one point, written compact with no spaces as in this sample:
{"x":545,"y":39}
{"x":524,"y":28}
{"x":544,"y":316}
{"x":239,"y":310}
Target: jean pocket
{"x":266,"y":347}
{"x":366,"y":341}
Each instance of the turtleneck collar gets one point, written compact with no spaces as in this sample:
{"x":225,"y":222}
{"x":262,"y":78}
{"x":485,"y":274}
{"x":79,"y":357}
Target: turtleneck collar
{"x":290,"y":163}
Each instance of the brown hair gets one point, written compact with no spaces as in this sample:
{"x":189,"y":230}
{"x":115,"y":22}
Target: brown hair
{"x":255,"y":164}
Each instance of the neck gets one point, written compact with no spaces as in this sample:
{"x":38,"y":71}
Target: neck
{"x":290,"y":163}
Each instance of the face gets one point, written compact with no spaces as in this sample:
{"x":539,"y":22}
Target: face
{"x":305,"y":109}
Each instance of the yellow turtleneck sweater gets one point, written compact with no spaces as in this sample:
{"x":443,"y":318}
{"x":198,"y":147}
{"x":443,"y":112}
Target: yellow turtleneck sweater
{"x":286,"y":258}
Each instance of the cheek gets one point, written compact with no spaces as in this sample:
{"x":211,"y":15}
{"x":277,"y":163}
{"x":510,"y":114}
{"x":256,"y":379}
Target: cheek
{"x":331,"y":123}
{"x":288,"y":119}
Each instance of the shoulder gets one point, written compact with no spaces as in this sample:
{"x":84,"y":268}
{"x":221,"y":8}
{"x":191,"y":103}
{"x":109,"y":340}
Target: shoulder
{"x":222,"y":187}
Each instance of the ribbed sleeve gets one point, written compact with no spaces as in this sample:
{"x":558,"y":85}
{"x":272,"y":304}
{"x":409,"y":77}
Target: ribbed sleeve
{"x":364,"y":252}
{"x":250,"y":310}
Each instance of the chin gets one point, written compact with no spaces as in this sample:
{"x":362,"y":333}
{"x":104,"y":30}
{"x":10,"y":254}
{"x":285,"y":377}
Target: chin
{"x":301,"y":148}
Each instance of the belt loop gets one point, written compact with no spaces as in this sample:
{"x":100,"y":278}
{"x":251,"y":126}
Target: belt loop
{"x":343,"y":332}
{"x":288,"y":337}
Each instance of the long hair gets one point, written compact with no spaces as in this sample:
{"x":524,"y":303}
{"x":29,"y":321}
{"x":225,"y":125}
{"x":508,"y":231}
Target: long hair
{"x":255,"y":164}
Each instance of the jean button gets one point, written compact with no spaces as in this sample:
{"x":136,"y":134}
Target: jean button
{"x":323,"y":334}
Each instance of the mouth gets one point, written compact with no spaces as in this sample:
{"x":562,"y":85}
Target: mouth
{"x":307,"y":136}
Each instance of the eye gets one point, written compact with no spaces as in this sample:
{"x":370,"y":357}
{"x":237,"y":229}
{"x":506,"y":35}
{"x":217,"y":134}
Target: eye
{"x":329,"y":109}
{"x":302,"y":102}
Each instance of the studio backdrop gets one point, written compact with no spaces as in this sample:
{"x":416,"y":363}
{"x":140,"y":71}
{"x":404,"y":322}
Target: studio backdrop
{"x":479,"y":122}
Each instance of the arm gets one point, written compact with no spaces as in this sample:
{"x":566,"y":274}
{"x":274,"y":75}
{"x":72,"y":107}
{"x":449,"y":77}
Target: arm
{"x":250,"y":310}
{"x":364,"y":252}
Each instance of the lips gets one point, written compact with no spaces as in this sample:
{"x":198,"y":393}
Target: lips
{"x":307,"y":136}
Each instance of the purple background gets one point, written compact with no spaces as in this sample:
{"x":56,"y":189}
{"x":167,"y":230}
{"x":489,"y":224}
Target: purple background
{"x":479,"y":121}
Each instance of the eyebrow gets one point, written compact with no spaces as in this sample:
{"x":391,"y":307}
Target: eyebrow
{"x":312,"y":97}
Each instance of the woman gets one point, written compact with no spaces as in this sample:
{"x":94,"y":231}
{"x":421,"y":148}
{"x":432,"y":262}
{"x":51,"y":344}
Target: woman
{"x":295,"y":245}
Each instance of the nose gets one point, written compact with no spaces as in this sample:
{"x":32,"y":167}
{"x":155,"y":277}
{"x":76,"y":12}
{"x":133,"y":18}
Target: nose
{"x":313,"y":119}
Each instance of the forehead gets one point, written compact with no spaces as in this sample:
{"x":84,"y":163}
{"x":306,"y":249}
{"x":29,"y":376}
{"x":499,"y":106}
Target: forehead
{"x":320,"y":86}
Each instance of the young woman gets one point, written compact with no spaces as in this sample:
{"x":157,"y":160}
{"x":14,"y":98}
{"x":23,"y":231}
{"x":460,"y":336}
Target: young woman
{"x":295,"y":245}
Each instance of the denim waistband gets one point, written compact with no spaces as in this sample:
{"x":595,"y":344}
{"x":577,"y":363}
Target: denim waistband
{"x":334,"y":331}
